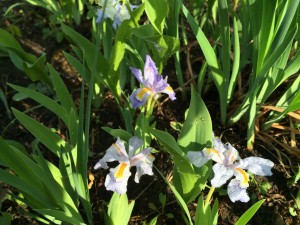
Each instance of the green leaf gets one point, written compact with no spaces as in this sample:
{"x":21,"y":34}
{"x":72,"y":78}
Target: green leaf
{"x":179,"y":198}
{"x":203,"y":213}
{"x":162,"y":48}
{"x":220,"y":77}
{"x":122,"y":134}
{"x":3,"y":99}
{"x":196,"y":133}
{"x":76,"y":64}
{"x":143,"y":31}
{"x":119,"y":211}
{"x":34,"y":68}
{"x":89,"y":51}
{"x":51,"y":140}
{"x":8,"y":41}
{"x":43,"y":100}
{"x":153,"y":221}
{"x":60,"y":216}
{"x":5,"y":219}
{"x":156,"y":11}
{"x":61,"y":91}
{"x":243,"y":220}
{"x":187,"y":182}
{"x":37,"y":70}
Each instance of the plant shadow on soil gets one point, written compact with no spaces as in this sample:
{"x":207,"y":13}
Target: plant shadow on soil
{"x":279,"y":197}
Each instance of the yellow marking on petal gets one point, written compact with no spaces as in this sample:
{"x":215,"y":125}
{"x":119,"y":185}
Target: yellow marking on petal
{"x":92,"y":179}
{"x":150,"y":155}
{"x":169,"y":88}
{"x":215,"y":151}
{"x":244,"y":182}
{"x":141,"y":93}
{"x":117,"y":147}
{"x":120,"y":172}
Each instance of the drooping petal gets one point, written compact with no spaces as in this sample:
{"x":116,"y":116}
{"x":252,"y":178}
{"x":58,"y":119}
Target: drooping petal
{"x":144,"y":168}
{"x":236,"y":192}
{"x":139,"y":97}
{"x":150,"y":72}
{"x":134,"y":144}
{"x":222,"y":174}
{"x":117,"y":179}
{"x":138,"y":74}
{"x":258,"y":166}
{"x":143,"y":161}
{"x":169,"y":91}
{"x":198,"y":158}
{"x":116,"y":152}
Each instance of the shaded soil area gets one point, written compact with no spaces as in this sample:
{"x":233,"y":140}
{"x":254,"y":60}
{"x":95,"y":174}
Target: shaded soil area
{"x":279,"y":195}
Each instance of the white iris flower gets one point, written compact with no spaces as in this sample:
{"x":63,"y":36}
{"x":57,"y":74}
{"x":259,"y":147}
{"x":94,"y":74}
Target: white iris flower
{"x":229,"y":164}
{"x":114,"y":10}
{"x":118,"y":177}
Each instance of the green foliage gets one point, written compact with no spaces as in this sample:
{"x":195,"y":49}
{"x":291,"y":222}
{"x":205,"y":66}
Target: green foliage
{"x":160,"y":210}
{"x":4,"y":101}
{"x":5,"y":219}
{"x":204,"y":214}
{"x":273,"y":30}
{"x":63,"y":11}
{"x":235,"y":38}
{"x":195,"y":135}
{"x":70,"y":178}
{"x":40,"y":182}
{"x":180,"y":200}
{"x":34,"y":68}
{"x":119,"y":211}
{"x":243,"y":220}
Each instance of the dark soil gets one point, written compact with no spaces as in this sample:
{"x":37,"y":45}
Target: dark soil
{"x":279,"y":197}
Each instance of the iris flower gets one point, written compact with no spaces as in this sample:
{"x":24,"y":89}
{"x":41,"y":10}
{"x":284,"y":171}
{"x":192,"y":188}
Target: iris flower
{"x":118,"y":177}
{"x":114,"y":10}
{"x":153,"y":84}
{"x":229,"y":164}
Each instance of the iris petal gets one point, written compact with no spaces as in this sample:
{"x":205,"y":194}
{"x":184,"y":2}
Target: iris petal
{"x":168,"y":90}
{"x":258,"y":166}
{"x":222,"y":174}
{"x":135,"y":102}
{"x":236,"y":192}
{"x":120,"y":185}
{"x":198,"y":158}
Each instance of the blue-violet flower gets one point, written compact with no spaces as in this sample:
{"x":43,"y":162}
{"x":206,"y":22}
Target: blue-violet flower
{"x":153,"y":84}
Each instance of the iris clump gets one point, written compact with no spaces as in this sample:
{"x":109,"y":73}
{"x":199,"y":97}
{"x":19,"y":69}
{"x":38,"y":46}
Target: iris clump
{"x":152,"y":82}
{"x":229,"y":164}
{"x":118,"y":177}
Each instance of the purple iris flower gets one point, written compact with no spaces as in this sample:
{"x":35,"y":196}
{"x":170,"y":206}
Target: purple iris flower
{"x":153,"y":84}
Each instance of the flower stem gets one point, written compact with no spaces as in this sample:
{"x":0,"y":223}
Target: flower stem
{"x":209,"y":195}
{"x":149,"y":107}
